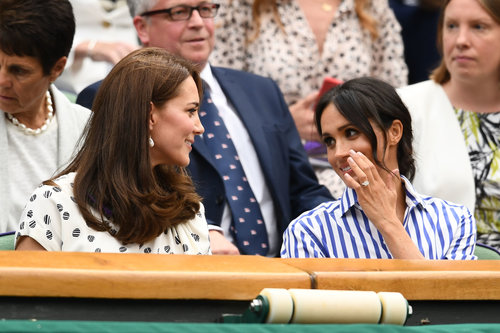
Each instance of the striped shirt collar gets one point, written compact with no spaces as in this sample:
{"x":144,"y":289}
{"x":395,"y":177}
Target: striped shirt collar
{"x":349,"y":198}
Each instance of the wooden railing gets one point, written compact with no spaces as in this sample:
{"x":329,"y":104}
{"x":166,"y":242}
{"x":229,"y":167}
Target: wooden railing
{"x":148,"y":276}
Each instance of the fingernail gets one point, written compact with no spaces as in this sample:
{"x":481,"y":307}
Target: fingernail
{"x":350,"y":159}
{"x":352,"y":151}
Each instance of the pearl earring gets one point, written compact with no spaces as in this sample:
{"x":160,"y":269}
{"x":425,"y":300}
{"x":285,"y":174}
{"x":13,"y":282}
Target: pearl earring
{"x":151,"y":142}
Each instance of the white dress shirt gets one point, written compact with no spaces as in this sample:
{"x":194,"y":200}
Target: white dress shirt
{"x":249,"y":161}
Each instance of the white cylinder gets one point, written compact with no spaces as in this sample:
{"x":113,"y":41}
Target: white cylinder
{"x":280,"y":305}
{"x":335,"y":306}
{"x":395,"y":308}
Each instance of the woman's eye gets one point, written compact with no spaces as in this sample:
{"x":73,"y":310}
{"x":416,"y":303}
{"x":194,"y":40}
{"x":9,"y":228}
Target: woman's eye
{"x":350,"y":132}
{"x":328,"y":141}
{"x":479,"y":26}
{"x":450,"y":26}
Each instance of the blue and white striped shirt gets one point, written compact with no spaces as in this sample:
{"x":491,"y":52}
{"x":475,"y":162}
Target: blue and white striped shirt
{"x":340,"y":229}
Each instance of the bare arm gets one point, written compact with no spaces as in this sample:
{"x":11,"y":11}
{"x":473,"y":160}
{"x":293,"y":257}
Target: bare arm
{"x":26,"y":243}
{"x":220,"y":245}
{"x":303,"y":115}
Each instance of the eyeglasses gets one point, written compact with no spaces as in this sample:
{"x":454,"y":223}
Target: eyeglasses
{"x":184,"y":12}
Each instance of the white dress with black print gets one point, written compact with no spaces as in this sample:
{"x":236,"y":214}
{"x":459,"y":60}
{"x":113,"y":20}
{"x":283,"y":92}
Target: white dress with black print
{"x":52,"y":218}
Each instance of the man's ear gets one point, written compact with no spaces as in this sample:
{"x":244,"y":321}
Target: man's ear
{"x":57,"y":69}
{"x":141,"y":26}
{"x":395,"y":132}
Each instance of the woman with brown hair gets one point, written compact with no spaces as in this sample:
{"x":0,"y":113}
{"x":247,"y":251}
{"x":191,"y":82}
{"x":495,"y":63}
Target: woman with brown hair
{"x":298,"y":43}
{"x":456,"y":114}
{"x":126,"y":190}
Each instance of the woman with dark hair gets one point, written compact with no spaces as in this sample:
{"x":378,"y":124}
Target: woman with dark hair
{"x":127,"y":190}
{"x":368,"y":133}
{"x":40,"y":126}
{"x":456,"y":114}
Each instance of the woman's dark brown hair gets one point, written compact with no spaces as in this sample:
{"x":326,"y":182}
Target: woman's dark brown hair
{"x":363,"y":99}
{"x":114,"y":177}
{"x":441,"y":74}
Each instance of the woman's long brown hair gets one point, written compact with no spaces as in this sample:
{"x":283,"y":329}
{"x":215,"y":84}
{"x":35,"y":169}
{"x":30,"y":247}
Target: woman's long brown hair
{"x":114,"y":177}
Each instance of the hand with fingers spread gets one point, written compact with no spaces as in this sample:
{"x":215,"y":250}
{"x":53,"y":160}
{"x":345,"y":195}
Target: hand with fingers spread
{"x":377,"y":194}
{"x":382,"y":199}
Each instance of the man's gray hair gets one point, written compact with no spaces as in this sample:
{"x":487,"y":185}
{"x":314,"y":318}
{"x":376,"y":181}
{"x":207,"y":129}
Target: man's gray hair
{"x":137,"y":7}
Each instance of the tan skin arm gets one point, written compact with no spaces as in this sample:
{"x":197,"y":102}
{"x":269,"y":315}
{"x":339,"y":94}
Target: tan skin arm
{"x":26,"y":243}
{"x":111,"y":52}
{"x":303,"y":115}
{"x":220,"y":245}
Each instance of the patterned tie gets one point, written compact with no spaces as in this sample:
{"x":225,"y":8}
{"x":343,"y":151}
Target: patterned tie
{"x":249,"y":229}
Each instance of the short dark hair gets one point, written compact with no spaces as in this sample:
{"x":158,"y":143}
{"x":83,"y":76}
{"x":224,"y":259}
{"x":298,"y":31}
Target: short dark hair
{"x":363,"y":99}
{"x":43,"y":29}
{"x":113,"y":167}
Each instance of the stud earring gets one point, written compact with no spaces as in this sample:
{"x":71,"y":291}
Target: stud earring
{"x":151,"y":142}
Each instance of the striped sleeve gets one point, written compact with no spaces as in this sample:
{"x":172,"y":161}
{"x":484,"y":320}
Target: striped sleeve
{"x":464,"y":240}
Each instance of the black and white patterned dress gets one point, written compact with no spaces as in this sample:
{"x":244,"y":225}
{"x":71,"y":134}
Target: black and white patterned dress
{"x":52,"y":218}
{"x":292,"y":57}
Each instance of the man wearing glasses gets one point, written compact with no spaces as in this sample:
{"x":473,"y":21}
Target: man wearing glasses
{"x":259,"y":126}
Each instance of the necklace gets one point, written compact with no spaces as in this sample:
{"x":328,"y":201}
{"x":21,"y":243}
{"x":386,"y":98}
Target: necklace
{"x":45,"y":125}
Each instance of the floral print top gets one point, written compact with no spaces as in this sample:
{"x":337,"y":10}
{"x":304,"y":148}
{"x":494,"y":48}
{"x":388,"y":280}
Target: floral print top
{"x":482,"y":137}
{"x":291,"y":57}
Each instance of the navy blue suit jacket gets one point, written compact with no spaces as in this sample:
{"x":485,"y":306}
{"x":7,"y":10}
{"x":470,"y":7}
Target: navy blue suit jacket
{"x":262,"y":109}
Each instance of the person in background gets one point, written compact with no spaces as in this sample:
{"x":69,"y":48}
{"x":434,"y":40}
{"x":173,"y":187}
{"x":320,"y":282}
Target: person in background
{"x":368,"y":133}
{"x":128,"y":193}
{"x":40,"y":126}
{"x":250,"y":166}
{"x":418,"y":19}
{"x":104,"y":35}
{"x":298,"y":43}
{"x":456,"y":115}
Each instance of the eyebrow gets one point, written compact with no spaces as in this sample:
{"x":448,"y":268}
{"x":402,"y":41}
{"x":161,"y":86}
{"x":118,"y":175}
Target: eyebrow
{"x":341,"y":128}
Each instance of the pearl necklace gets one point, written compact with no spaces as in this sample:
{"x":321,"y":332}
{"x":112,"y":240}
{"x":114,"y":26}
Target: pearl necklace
{"x":43,"y":128}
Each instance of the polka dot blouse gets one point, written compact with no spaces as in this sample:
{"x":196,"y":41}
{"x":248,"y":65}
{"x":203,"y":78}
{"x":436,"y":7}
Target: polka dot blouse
{"x":292,"y":57}
{"x":52,"y":218}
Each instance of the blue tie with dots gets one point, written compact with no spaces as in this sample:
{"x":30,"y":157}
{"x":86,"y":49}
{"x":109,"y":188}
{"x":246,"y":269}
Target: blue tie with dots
{"x":248,"y":225}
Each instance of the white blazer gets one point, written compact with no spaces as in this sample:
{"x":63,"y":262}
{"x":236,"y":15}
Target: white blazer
{"x":442,"y":159}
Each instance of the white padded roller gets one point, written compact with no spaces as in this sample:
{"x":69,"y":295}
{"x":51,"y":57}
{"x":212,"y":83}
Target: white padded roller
{"x":335,"y":306}
{"x":395,"y":308}
{"x":280,"y":305}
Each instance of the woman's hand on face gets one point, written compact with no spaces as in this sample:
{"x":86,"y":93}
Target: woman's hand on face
{"x":377,"y":195}
{"x":303,"y":115}
{"x":379,"y":199}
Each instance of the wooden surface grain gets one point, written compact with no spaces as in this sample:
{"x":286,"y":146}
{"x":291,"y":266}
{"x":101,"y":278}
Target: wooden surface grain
{"x":149,"y":276}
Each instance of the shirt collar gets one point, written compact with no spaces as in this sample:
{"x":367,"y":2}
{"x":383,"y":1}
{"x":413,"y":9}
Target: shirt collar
{"x":208,"y":77}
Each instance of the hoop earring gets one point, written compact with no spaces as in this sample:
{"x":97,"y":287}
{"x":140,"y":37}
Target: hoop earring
{"x":151,"y":142}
